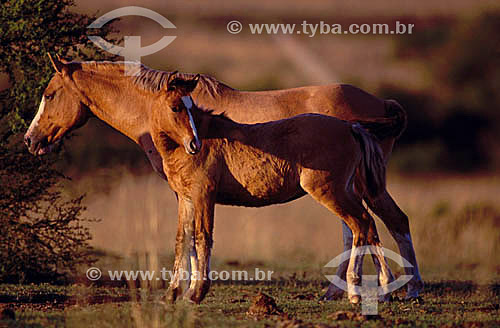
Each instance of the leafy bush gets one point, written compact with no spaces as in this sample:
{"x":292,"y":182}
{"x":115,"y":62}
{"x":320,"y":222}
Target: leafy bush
{"x":43,"y":235}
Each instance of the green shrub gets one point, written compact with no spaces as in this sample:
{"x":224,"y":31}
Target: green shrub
{"x":42,"y":237}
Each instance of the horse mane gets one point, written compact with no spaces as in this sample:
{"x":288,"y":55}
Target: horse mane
{"x":210,"y":112}
{"x":154,"y":80}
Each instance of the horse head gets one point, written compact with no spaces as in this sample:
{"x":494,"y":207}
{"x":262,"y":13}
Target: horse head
{"x":61,"y":110}
{"x":177,"y":120}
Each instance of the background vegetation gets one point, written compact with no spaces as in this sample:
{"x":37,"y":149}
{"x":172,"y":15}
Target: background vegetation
{"x":43,"y":237}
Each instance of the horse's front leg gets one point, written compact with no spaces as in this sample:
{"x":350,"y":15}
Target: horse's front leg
{"x":200,"y":259}
{"x":183,"y":250}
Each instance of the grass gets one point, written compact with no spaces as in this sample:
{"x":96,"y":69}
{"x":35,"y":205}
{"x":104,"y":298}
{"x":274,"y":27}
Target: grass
{"x":446,"y":303}
{"x":454,"y":221}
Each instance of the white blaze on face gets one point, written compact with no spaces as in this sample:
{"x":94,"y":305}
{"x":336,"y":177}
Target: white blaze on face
{"x":35,"y":121}
{"x":188,"y":102}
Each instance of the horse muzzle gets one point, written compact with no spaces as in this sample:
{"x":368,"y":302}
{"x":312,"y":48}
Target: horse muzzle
{"x":193,"y":146}
{"x":38,"y":146}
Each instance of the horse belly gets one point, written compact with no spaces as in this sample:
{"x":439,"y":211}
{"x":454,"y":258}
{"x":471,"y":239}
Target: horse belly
{"x":260,"y":182}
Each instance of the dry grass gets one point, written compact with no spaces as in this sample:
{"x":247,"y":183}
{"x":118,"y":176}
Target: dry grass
{"x":455,"y":223}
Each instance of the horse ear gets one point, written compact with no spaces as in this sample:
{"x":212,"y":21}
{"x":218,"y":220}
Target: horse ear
{"x":62,"y":60}
{"x":171,"y":85}
{"x":58,"y":65}
{"x":193,"y":83}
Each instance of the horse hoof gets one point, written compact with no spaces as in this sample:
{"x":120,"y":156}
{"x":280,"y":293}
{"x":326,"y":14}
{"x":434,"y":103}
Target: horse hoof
{"x":386,"y":298}
{"x":332,"y":295}
{"x":171,"y":295}
{"x":355,"y":299}
{"x":188,"y":301}
{"x":414,"y":300}
{"x":188,"y":296}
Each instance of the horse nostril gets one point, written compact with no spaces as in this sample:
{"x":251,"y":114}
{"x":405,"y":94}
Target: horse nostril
{"x":27,"y":140}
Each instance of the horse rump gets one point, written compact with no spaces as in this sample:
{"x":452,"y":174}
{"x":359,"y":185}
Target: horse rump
{"x":391,"y":125}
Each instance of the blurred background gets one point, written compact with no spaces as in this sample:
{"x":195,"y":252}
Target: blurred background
{"x":444,"y":169}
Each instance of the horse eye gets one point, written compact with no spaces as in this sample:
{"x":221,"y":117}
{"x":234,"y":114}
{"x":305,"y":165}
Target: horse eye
{"x":176,"y":109}
{"x":49,"y":97}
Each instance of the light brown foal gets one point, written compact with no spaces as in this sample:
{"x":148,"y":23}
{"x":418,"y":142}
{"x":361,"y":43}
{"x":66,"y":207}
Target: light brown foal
{"x":100,"y":89}
{"x":259,"y":165}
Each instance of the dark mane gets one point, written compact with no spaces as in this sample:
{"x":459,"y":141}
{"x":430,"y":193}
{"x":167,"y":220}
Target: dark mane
{"x":155,"y":80}
{"x":152,"y":79}
{"x":210,"y":112}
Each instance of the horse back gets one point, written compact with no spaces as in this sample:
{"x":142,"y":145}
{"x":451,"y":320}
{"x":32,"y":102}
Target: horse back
{"x":343,"y":101}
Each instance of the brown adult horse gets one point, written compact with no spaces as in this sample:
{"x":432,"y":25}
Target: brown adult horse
{"x":82,"y":90}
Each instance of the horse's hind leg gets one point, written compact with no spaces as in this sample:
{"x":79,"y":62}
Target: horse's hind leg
{"x":397,"y":223}
{"x":340,"y":199}
{"x":335,"y":292}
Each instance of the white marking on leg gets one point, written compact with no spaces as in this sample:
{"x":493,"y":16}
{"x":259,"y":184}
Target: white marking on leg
{"x":353,"y":278}
{"x":194,"y":266}
{"x":407,"y":251}
{"x":183,"y":266}
{"x":189,"y":245}
{"x":38,"y":115}
{"x":190,"y":249}
{"x":385,"y":273}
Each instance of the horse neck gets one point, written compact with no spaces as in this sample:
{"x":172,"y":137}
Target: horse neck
{"x":217,"y":99}
{"x":240,"y":106}
{"x":216,"y":126}
{"x":114,"y":99}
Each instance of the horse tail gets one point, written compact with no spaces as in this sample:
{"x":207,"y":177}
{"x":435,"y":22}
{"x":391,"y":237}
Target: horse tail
{"x":371,"y":170}
{"x":391,"y":125}
{"x":395,"y":110}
